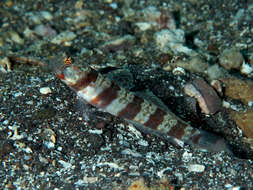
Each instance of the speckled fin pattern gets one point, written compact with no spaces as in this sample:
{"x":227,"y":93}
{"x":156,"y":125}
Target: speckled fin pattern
{"x":105,"y":94}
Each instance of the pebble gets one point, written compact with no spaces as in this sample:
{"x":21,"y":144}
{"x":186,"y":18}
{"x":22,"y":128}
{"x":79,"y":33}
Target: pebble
{"x":66,"y":165}
{"x":215,"y":72}
{"x":120,"y":43}
{"x":245,"y":121}
{"x":233,"y":89}
{"x":44,"y":31}
{"x":16,"y":38}
{"x":131,"y":152}
{"x":64,"y":37}
{"x":46,"y":15}
{"x":96,"y":131}
{"x":196,"y":64}
{"x":157,"y":19}
{"x":45,"y":90}
{"x":178,"y":71}
{"x":208,"y":100}
{"x":231,"y":59}
{"x":5,"y":65}
{"x":186,"y":157}
{"x":196,"y":168}
{"x":246,"y":69}
{"x":172,"y":40}
{"x":17,"y":94}
{"x":142,"y":142}
{"x":143,"y":26}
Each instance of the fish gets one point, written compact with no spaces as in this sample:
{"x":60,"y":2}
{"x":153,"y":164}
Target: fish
{"x":103,"y":93}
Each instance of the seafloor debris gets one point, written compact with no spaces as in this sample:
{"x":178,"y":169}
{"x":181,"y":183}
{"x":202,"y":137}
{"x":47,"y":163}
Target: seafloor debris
{"x":64,"y":38}
{"x":5,"y":65}
{"x":231,"y":59}
{"x":140,"y":185}
{"x":172,"y":40}
{"x":245,"y":121}
{"x":121,"y":43}
{"x":99,"y":91}
{"x":25,"y":60}
{"x":151,"y":17}
{"x":208,"y":100}
{"x":238,"y":89}
{"x":45,"y":90}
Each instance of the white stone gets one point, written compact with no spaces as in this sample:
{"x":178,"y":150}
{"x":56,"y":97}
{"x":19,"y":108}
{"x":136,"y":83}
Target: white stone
{"x":46,"y":15}
{"x":186,"y":156}
{"x":143,"y":26}
{"x":45,"y":90}
{"x":66,"y":36}
{"x":66,"y":165}
{"x":178,"y":71}
{"x":16,"y":38}
{"x":246,"y":68}
{"x":131,"y":152}
{"x":196,"y":168}
{"x":172,"y":40}
{"x":18,"y":94}
{"x":96,"y":131}
{"x":142,"y":142}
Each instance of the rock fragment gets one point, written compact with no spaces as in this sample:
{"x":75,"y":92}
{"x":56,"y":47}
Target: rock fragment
{"x":45,"y":90}
{"x":233,"y":89}
{"x":151,"y":17}
{"x":196,"y":168}
{"x":245,"y":121}
{"x":44,"y":31}
{"x":195,"y":65}
{"x":120,"y":43}
{"x":208,"y":100}
{"x":231,"y":59}
{"x":64,"y":37}
{"x":172,"y":40}
{"x":5,"y":65}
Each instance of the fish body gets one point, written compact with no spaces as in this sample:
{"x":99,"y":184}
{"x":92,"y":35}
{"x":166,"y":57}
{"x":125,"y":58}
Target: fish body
{"x":103,"y":93}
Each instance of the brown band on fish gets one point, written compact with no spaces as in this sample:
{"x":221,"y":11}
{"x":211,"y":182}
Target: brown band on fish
{"x":177,"y":131}
{"x":155,"y":119}
{"x":85,"y":80}
{"x":106,"y":96}
{"x":131,"y":109}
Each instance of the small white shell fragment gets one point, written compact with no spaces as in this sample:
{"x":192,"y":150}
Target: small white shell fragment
{"x":131,"y":152}
{"x":90,"y":179}
{"x":46,"y":15}
{"x":28,"y":150}
{"x":49,"y":145}
{"x":196,"y":168}
{"x":15,"y":37}
{"x":172,"y":40}
{"x":186,"y":156}
{"x":143,"y":26}
{"x":142,"y":142}
{"x":246,"y":69}
{"x":66,"y":165}
{"x":250,"y":103}
{"x":45,"y":90}
{"x":178,"y":71}
{"x":5,"y":65}
{"x":17,"y":94}
{"x":96,"y":131}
